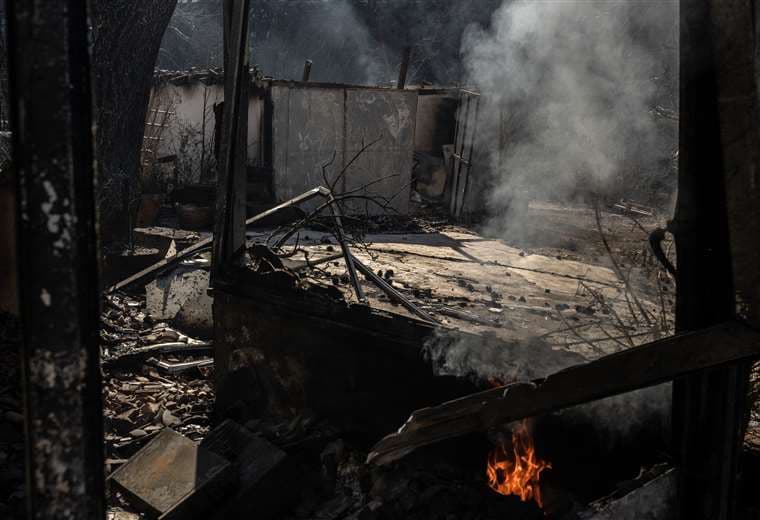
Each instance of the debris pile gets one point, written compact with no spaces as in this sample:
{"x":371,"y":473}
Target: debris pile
{"x":154,"y":377}
{"x":302,"y":469}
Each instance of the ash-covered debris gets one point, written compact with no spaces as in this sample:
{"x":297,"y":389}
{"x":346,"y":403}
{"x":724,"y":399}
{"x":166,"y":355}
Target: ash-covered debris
{"x":139,"y":405}
{"x":304,"y":468}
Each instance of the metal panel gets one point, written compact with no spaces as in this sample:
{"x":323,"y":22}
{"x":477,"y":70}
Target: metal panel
{"x":388,"y":115}
{"x":310,"y":124}
{"x":307,"y":127}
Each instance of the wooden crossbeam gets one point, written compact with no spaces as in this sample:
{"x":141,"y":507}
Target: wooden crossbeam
{"x":640,"y":367}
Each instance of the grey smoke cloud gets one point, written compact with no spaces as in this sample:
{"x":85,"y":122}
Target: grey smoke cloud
{"x":484,"y":359}
{"x":331,"y":33}
{"x":569,"y":87}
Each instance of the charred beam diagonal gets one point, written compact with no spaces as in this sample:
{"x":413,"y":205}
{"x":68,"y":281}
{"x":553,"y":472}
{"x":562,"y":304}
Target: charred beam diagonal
{"x":636,"y":368}
{"x":53,"y":156}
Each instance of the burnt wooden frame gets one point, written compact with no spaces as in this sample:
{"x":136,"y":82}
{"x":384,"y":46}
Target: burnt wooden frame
{"x":51,"y":107}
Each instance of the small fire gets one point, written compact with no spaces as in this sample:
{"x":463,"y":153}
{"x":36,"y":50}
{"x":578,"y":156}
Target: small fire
{"x":517,"y":471}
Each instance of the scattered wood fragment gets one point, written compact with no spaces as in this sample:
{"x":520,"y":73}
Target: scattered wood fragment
{"x":180,"y":368}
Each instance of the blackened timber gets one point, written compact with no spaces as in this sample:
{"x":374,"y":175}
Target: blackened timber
{"x":231,"y":183}
{"x":306,"y":71}
{"x":53,"y":156}
{"x":406,"y":57}
{"x":716,"y":78}
{"x":626,"y":371}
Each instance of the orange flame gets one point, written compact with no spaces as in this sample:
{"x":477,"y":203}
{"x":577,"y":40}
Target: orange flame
{"x":518,"y":472}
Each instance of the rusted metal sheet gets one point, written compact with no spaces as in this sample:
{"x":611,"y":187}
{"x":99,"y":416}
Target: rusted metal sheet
{"x":173,"y":477}
{"x":311,"y":125}
{"x":52,"y":154}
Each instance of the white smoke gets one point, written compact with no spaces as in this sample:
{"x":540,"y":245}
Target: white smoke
{"x":487,"y":360}
{"x":569,"y":88}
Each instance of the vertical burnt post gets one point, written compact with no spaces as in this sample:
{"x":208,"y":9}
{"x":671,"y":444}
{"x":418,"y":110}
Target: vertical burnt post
{"x":404,"y":67}
{"x":52,"y":153}
{"x":709,"y":408}
{"x":229,"y":231}
{"x":306,"y":71}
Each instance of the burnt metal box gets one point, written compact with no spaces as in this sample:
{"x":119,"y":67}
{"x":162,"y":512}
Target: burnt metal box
{"x":173,"y":477}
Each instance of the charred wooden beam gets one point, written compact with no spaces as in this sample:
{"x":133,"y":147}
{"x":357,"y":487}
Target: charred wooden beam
{"x":716,"y":146}
{"x":636,"y":368}
{"x":53,"y":156}
{"x":231,"y":183}
{"x":403,"y":71}
{"x":306,"y":71}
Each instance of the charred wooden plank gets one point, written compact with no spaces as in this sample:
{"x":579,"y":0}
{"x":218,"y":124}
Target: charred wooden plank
{"x":715,"y":238}
{"x":639,"y":367}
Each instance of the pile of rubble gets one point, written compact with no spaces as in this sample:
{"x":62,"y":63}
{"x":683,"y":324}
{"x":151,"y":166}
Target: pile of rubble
{"x":154,"y":377}
{"x":303,"y":469}
{"x":168,"y":456}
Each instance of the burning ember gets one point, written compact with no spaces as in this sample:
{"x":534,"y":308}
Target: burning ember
{"x":517,"y":471}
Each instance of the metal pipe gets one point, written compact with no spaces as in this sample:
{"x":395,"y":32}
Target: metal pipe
{"x":349,"y":258}
{"x":393,"y":293}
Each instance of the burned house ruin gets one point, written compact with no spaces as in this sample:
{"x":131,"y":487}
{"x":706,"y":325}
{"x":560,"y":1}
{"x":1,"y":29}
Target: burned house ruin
{"x":479,"y":298}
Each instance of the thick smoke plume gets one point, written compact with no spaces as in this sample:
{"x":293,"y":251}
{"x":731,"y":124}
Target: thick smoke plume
{"x":571,"y":89}
{"x":572,"y":97}
{"x":488,"y":360}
